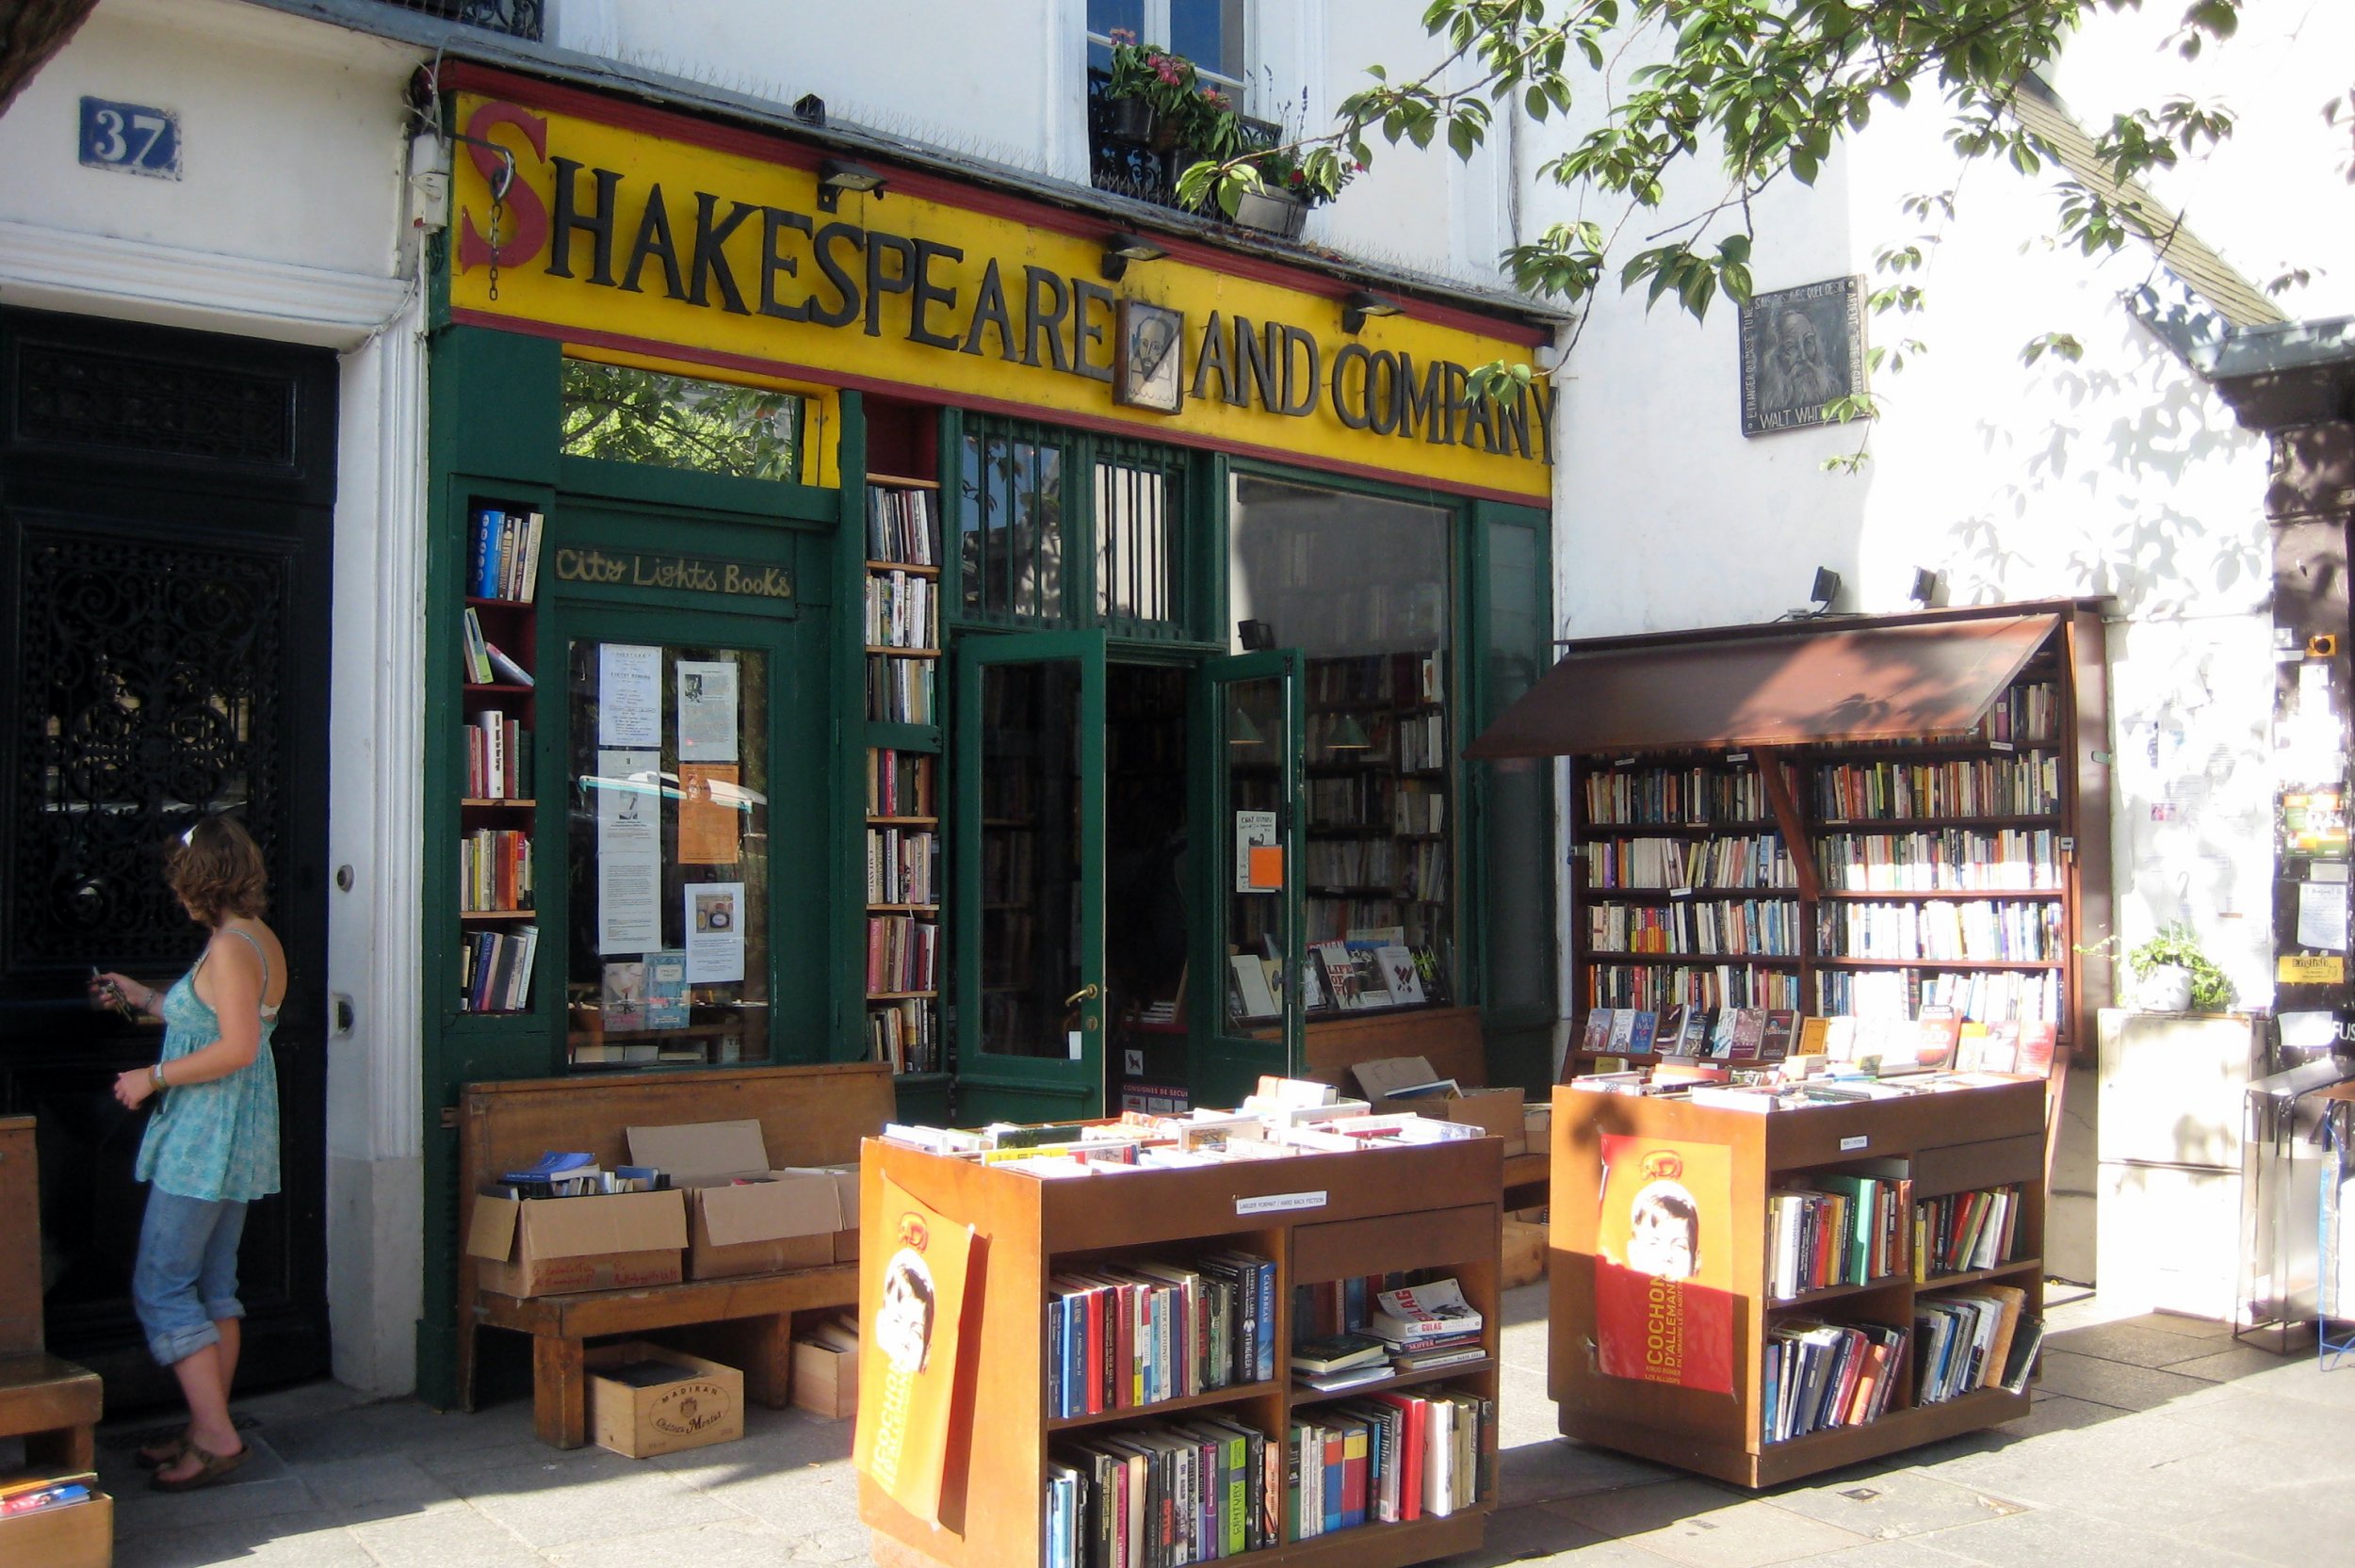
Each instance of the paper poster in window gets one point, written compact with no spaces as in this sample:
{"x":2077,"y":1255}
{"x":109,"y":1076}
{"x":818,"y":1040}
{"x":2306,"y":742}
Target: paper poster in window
{"x":707,"y":711}
{"x":1664,"y":1273}
{"x":666,"y":990}
{"x":715,"y":932}
{"x":1255,"y":872}
{"x":629,"y":695}
{"x":629,"y":790}
{"x":623,"y":1005}
{"x":708,"y":811}
{"x":913,"y":1355}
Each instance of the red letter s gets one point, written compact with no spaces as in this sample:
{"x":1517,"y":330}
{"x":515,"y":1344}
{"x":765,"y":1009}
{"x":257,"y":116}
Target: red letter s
{"x":525,"y":215}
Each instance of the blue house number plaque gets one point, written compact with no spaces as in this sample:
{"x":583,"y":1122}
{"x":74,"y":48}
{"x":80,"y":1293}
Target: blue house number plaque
{"x":133,"y":138}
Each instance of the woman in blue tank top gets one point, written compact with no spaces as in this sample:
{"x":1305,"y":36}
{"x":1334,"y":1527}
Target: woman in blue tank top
{"x":212,"y":1145}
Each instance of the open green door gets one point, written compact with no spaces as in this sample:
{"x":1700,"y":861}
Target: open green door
{"x":1250,"y":970}
{"x":1028,"y":891}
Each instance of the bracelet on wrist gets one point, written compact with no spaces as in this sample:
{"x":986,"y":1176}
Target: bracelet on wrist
{"x":156,"y":1077}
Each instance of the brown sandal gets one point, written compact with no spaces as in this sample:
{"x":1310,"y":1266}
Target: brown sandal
{"x":210,"y":1468}
{"x":163,"y":1455}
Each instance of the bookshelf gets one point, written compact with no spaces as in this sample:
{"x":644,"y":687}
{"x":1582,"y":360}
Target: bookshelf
{"x":901,"y":639}
{"x":1430,"y":1210}
{"x":1868,"y":879}
{"x":1931,"y":1151}
{"x":498,"y":624}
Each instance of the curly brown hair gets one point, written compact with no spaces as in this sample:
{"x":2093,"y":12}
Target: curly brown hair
{"x":217,"y":870}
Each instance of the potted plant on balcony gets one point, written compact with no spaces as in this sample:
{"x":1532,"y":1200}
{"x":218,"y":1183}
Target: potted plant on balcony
{"x":1156,"y":97}
{"x":1269,"y":187}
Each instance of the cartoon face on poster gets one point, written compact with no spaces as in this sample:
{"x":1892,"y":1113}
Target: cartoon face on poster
{"x":1664,"y":1273}
{"x":911,"y":1379}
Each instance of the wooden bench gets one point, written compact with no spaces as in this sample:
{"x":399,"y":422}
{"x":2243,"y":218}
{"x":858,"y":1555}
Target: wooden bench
{"x":1447,"y":1038}
{"x":807,"y":1116}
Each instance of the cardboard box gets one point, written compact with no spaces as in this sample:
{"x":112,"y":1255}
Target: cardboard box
{"x":654,"y":1412}
{"x":773,"y":1220}
{"x":1537,"y":1126}
{"x":825,"y":1376}
{"x":550,"y":1246}
{"x":1496,"y":1111}
{"x":1524,"y":1254}
{"x":846,"y":1195}
{"x":79,"y":1535}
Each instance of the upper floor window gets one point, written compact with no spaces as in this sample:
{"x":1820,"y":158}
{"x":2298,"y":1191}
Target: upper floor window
{"x":1208,"y":32}
{"x":515,"y":18}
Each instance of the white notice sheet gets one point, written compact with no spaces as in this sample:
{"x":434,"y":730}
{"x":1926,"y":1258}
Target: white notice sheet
{"x":707,"y":711}
{"x":629,"y":695}
{"x":715,"y":932}
{"x":629,"y":790}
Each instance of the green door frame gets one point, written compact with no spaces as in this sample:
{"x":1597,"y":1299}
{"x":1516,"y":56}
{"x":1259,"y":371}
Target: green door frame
{"x":992,"y":1085}
{"x":1223,"y":1063}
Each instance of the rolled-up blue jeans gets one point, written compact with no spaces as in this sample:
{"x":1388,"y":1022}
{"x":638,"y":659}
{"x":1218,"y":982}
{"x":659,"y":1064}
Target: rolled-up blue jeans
{"x":187,"y":1277}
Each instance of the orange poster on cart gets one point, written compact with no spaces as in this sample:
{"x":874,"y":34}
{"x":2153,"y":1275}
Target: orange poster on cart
{"x":912,"y":1437}
{"x":1663,"y":1268}
{"x":708,"y":800}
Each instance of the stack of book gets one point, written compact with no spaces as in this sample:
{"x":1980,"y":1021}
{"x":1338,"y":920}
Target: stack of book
{"x":506,"y":554}
{"x":1340,"y":1361}
{"x":1428,"y":1326}
{"x":1966,"y":1340}
{"x":1838,"y":1228}
{"x":1161,"y":1494}
{"x":1816,"y":1376}
{"x":44,"y":1492}
{"x":573,"y":1173}
{"x":495,"y":970}
{"x":1126,"y":1334}
{"x":1964,"y":1231}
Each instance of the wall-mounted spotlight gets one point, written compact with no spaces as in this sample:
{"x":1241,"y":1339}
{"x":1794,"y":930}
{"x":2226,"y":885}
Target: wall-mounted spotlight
{"x":836,"y":176}
{"x":1120,"y":250}
{"x":1825,"y":589}
{"x":1255,"y":635}
{"x":1924,"y":591}
{"x":1361,"y":304}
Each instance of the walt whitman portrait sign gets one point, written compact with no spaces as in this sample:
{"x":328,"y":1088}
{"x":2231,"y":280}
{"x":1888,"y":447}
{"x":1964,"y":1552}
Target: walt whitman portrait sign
{"x":1801,"y":348}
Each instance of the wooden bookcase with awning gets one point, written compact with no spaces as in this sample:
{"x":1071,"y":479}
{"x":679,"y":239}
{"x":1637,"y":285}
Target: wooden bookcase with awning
{"x":1851,"y":815}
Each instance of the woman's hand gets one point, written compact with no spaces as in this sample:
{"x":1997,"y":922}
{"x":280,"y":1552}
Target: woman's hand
{"x":134,"y":1087}
{"x":111,"y":990}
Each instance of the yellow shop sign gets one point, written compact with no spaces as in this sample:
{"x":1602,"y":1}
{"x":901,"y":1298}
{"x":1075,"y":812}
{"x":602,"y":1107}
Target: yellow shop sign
{"x":641,"y":232}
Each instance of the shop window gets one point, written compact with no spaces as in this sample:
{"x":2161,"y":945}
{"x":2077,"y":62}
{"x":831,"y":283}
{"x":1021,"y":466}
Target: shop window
{"x":1139,"y":543}
{"x":1010,"y":517}
{"x":1362,"y":585}
{"x":648,"y":417}
{"x":668,"y":951}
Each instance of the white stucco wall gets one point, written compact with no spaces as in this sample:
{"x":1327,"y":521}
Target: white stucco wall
{"x":287,"y":224}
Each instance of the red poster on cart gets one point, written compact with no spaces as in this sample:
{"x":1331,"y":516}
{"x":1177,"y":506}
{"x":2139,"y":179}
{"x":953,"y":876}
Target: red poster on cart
{"x":1663,"y":1268}
{"x":911,"y":1431}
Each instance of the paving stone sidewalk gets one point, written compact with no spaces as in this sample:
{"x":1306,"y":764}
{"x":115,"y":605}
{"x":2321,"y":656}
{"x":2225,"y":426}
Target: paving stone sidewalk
{"x":2154,"y":1442}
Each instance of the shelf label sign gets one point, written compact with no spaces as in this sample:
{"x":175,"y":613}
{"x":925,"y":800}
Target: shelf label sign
{"x":1857,"y":1141}
{"x":1663,"y":1269}
{"x":1279,"y":1203}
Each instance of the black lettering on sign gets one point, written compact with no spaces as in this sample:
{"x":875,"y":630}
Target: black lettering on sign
{"x":654,"y":239}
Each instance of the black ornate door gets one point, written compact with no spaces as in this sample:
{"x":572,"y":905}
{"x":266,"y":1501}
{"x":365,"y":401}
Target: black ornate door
{"x":166,"y":523}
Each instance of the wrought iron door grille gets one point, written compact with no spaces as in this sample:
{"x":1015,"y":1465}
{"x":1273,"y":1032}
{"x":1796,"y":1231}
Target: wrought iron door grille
{"x":72,"y":396}
{"x":149,"y":698}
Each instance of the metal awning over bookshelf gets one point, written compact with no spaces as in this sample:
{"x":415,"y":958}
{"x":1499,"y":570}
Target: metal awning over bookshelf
{"x":1786,"y":684}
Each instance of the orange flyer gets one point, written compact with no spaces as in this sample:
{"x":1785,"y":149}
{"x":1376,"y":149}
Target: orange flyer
{"x":1663,"y":1269}
{"x":707,"y":797}
{"x":909,"y":1355}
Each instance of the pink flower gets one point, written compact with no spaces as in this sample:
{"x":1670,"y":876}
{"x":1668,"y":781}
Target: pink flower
{"x":1121,"y":36}
{"x":1167,"y":72}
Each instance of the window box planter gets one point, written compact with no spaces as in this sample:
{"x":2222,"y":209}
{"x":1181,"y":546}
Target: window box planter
{"x":1271,"y":211}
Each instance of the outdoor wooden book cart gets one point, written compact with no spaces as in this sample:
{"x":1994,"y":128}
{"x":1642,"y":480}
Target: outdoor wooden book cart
{"x":1323,"y":1216}
{"x":813,"y":1115}
{"x":1932,"y":1145}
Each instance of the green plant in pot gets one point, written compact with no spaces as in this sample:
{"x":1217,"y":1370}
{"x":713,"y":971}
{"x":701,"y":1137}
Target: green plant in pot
{"x":1269,"y":189}
{"x":1157,"y":97}
{"x":2172,"y":975}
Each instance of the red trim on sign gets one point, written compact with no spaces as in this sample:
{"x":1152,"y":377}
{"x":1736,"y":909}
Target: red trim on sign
{"x":743,"y":141}
{"x":788,"y":370}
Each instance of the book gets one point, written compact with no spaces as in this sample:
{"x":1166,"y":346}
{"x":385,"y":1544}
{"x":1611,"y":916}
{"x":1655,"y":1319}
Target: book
{"x":666,"y":990}
{"x":1400,"y":974}
{"x":1253,"y":998}
{"x":1639,"y":1036}
{"x":621,"y":1007}
{"x":506,"y":668}
{"x":1422,"y":1312}
{"x":478,"y":662}
{"x":1775,"y":1044}
{"x":1337,"y":1352}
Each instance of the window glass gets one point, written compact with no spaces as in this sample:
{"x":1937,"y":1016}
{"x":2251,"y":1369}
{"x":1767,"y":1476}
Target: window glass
{"x":1029,"y":956}
{"x":1105,"y":15}
{"x":1010,"y":526}
{"x":631,"y":416}
{"x":1361,"y":586}
{"x":1209,"y":33}
{"x":1139,"y":527}
{"x":1256,"y":726}
{"x":668,"y":855}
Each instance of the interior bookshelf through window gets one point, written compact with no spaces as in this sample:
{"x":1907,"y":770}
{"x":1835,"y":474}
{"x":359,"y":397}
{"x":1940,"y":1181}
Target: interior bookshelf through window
{"x":902,"y":638}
